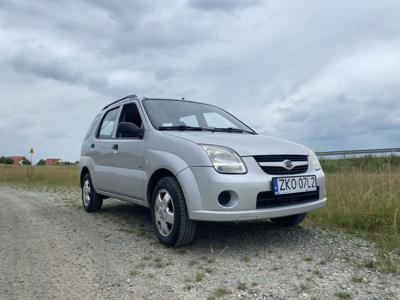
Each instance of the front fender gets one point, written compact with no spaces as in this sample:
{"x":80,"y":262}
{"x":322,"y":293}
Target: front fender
{"x":156,"y":159}
{"x":161,"y":160}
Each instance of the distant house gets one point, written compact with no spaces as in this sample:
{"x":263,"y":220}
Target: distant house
{"x":18,"y":160}
{"x":53,"y":161}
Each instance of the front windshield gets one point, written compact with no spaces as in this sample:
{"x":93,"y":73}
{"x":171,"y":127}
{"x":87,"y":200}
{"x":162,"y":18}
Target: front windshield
{"x":183,"y":115}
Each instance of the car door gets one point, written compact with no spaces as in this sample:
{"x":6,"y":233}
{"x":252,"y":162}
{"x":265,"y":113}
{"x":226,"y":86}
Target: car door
{"x":128,"y":157}
{"x":102,"y":150}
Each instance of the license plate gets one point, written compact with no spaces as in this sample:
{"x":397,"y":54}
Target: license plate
{"x":298,"y":184}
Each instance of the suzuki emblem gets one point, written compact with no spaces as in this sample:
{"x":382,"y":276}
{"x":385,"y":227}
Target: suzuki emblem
{"x":288,"y":164}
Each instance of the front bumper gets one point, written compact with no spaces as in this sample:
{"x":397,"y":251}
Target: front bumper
{"x":202,"y":185}
{"x":256,"y":214}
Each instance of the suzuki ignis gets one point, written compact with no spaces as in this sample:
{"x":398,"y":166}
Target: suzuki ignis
{"x":190,"y":161}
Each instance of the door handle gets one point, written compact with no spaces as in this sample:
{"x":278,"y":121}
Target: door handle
{"x":92,"y":146}
{"x":115,"y":147}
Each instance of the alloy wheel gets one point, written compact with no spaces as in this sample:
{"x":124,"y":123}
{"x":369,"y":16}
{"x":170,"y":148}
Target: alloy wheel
{"x":86,"y":192}
{"x":164,"y":212}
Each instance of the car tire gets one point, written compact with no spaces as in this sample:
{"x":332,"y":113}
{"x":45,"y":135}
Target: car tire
{"x":169,"y":214}
{"x":91,"y":201}
{"x":290,"y":220}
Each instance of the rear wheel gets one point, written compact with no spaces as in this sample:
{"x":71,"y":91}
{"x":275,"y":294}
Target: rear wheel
{"x":169,"y":214}
{"x":290,"y":220}
{"x":91,"y":201}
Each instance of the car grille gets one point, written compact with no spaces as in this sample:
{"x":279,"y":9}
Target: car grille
{"x":274,"y":164}
{"x":270,"y":200}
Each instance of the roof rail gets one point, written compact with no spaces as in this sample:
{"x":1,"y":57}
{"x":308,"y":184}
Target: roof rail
{"x":119,"y":100}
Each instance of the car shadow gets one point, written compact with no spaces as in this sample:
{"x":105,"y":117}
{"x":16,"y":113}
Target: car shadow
{"x":249,"y":236}
{"x":213,"y":236}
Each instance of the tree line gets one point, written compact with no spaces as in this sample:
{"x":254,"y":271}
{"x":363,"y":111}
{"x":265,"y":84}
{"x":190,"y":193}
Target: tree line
{"x":10,"y":161}
{"x":26,"y":162}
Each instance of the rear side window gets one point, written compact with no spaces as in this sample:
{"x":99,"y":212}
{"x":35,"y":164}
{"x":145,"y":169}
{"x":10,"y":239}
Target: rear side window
{"x":108,"y":124}
{"x":92,"y":126}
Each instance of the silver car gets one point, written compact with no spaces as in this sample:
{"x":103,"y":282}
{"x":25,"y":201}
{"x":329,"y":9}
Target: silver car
{"x":189,"y":161}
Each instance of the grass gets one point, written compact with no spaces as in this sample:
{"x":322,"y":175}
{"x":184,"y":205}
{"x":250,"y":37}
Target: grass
{"x":199,"y":277}
{"x":304,"y":286}
{"x":308,"y":258}
{"x":47,"y":176}
{"x":208,"y":259}
{"x":191,"y":263}
{"x":134,"y":273}
{"x":276,"y":268}
{"x":371,"y":264}
{"x":343,"y":295}
{"x":242,"y":286}
{"x":385,"y":263}
{"x":246,"y":259}
{"x":209,"y":270}
{"x":160,"y":263}
{"x":363,"y":199}
{"x":219,"y":293}
{"x":357,"y":279}
{"x":314,"y":271}
{"x":181,"y":251}
{"x":361,"y":164}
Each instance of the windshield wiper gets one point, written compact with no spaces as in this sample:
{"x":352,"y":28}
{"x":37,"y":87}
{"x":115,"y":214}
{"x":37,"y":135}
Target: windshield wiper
{"x":181,"y":127}
{"x":230,"y":129}
{"x":213,"y":129}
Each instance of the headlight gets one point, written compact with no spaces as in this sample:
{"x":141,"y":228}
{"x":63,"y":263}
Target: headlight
{"x":315,"y":164}
{"x":225,"y":160}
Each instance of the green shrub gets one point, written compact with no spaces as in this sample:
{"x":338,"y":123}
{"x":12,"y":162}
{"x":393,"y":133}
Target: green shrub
{"x":41,"y":162}
{"x":6,"y":160}
{"x":26,"y":162}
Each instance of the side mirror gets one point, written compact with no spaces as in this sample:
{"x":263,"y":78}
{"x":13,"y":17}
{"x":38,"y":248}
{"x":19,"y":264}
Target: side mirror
{"x":128,"y":129}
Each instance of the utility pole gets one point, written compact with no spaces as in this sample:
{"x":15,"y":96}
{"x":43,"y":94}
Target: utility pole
{"x":31,"y":152}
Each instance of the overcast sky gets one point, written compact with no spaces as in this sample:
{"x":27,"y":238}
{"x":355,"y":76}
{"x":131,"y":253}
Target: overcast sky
{"x":322,"y":73}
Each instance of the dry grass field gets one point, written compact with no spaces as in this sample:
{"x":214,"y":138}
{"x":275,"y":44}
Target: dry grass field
{"x":363,"y":193}
{"x":49,"y":176}
{"x":363,"y":199}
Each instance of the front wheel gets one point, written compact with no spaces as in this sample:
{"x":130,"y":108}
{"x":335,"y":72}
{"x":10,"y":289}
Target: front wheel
{"x":91,"y":201}
{"x":290,"y":220}
{"x":169,"y":214}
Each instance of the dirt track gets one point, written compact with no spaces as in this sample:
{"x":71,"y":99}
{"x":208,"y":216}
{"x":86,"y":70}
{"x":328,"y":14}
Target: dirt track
{"x":50,"y":248}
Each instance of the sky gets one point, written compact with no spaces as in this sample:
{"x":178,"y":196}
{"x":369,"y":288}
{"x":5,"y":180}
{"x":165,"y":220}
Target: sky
{"x":321,"y":73}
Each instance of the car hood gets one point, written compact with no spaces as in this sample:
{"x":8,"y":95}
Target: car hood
{"x":243,"y":144}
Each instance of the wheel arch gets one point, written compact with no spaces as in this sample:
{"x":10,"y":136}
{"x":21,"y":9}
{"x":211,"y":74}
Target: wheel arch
{"x":84,"y":172}
{"x":154,"y":178}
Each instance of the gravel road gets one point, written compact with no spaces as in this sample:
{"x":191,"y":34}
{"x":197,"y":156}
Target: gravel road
{"x":51,"y":249}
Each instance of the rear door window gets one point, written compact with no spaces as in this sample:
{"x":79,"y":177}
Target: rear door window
{"x":108,"y":124}
{"x":92,"y":126}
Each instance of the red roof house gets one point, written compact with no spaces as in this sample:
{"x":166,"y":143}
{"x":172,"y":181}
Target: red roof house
{"x":53,"y":161}
{"x":18,"y":159}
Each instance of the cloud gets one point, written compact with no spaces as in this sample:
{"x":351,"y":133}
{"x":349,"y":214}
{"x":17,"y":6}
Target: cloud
{"x":45,"y":67}
{"x":55,"y":134}
{"x":321,"y":73}
{"x":222,"y":5}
